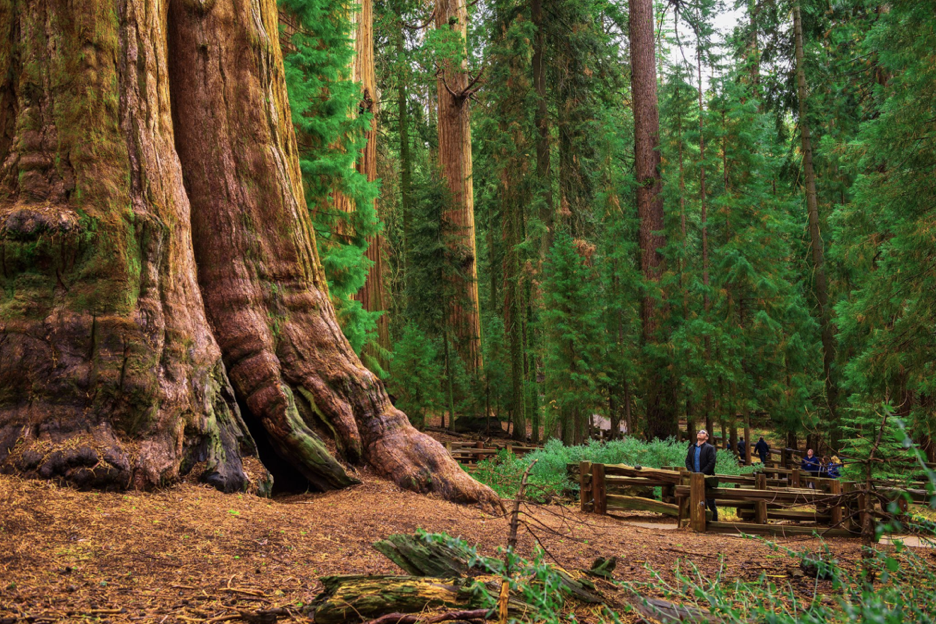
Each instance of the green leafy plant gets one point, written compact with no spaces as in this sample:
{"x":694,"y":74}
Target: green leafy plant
{"x":549,"y":477}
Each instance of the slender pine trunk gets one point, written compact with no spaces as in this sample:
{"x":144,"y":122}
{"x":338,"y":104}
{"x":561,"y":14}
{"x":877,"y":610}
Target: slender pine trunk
{"x":816,"y":245}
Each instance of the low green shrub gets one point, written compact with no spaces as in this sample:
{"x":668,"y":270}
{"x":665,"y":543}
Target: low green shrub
{"x":549,"y":477}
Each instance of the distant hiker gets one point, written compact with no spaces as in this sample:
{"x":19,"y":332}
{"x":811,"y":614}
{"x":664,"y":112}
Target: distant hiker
{"x":742,"y":449}
{"x":811,"y":465}
{"x":701,"y":458}
{"x":762,"y":449}
{"x":834,"y":468}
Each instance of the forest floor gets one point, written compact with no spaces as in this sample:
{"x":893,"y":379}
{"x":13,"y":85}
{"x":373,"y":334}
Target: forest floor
{"x":192,"y":554}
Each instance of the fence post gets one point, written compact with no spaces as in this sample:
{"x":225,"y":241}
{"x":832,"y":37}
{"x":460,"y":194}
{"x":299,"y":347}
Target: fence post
{"x":598,"y":489}
{"x":697,"y":502}
{"x":796,"y":477}
{"x":760,"y":506}
{"x":864,"y":513}
{"x":682,"y":500}
{"x":835,"y":489}
{"x":585,"y":490}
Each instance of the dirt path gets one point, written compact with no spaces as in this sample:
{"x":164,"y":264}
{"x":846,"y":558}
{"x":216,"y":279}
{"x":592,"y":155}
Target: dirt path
{"x":190,"y":553}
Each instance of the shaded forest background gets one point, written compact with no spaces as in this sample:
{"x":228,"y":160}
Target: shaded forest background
{"x":499,"y":238}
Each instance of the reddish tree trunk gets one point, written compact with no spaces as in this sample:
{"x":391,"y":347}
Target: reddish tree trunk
{"x":541,"y":121}
{"x":121,"y":356}
{"x":372,"y":293}
{"x":455,"y":161}
{"x":111,"y":376}
{"x":706,"y":302}
{"x":661,"y":414}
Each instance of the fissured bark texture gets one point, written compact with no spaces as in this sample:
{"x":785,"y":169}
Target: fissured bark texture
{"x":263,"y":285}
{"x":659,"y":390}
{"x":112,"y":372}
{"x":109,"y":375}
{"x":455,"y":163}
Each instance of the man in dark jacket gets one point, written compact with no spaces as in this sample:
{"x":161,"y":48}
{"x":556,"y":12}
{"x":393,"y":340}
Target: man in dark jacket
{"x":701,"y":458}
{"x":762,"y":449}
{"x":812,"y":465}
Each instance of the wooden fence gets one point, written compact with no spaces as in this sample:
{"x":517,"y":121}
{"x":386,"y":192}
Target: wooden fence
{"x":758,"y":499}
{"x":473,"y":452}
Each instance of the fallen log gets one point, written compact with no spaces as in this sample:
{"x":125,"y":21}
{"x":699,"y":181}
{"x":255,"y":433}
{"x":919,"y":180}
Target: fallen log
{"x":356,"y":598}
{"x":657,"y":610}
{"x":420,"y":557}
{"x":407,"y":599}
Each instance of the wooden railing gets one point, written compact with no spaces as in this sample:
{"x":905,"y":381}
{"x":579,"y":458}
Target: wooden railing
{"x":601,"y":488}
{"x":757,"y":498}
{"x":473,"y":452}
{"x":764,"y":503}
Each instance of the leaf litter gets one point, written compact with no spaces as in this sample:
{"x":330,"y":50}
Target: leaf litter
{"x":191,"y":554}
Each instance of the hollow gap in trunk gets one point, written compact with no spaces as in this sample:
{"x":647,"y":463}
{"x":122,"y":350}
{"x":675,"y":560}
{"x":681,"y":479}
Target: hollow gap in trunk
{"x":286,"y":479}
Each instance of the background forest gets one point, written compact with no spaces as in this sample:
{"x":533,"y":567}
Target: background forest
{"x":505,"y":231}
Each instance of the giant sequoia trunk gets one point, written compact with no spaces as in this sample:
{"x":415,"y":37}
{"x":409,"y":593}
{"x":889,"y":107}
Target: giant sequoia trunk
{"x":463,"y":317}
{"x":659,"y":397}
{"x":144,"y":245}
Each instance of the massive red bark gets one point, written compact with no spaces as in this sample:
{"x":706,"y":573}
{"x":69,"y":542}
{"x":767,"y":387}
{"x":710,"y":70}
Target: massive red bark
{"x":111,"y":374}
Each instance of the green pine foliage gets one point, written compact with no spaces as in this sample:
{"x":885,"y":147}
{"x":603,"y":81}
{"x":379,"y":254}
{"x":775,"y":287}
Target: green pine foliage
{"x":766,"y":341}
{"x":324,"y":104}
{"x":887,"y":231}
{"x":572,"y":334}
{"x":875,"y":443}
{"x":562,"y":335}
{"x":415,"y":373}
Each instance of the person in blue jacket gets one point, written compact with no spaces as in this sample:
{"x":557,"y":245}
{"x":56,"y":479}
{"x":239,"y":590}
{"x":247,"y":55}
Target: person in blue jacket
{"x":811,"y":464}
{"x":762,"y":449}
{"x":701,"y":458}
{"x":834,"y":468}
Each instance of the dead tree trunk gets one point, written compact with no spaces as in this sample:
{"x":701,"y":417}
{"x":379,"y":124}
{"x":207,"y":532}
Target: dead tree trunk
{"x":105,"y":339}
{"x":463,"y":316}
{"x":661,"y":413}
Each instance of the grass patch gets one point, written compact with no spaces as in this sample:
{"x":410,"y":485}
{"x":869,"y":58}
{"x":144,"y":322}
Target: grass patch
{"x":549,"y":478}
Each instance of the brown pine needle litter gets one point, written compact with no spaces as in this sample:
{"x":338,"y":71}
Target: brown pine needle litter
{"x":192,"y":554}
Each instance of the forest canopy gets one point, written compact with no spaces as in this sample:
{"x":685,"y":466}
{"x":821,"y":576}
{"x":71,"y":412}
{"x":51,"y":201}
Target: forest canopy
{"x":761,"y":257}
